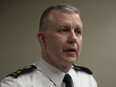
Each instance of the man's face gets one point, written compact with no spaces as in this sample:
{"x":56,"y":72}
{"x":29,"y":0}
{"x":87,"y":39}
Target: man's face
{"x":63,"y":39}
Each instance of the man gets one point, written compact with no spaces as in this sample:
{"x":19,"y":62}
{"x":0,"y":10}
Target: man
{"x":60,"y":37}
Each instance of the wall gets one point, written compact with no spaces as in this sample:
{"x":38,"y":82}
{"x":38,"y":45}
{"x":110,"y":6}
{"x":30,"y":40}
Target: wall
{"x":19,"y":24}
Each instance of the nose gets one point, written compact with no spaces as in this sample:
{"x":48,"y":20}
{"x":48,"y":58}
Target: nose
{"x":72,"y":38}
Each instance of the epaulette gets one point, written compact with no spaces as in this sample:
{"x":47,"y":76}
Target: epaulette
{"x":81,"y":68}
{"x":24,"y":70}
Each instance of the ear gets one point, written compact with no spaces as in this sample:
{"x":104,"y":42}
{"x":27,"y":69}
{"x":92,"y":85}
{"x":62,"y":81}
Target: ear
{"x":41,"y":38}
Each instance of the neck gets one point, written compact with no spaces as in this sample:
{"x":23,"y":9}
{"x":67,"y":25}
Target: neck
{"x":64,"y":68}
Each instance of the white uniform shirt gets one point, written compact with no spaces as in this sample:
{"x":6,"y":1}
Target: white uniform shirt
{"x":45,"y":75}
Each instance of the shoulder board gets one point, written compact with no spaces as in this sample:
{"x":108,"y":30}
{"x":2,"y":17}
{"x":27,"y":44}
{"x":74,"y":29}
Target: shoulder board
{"x":24,"y":70}
{"x":81,"y":68}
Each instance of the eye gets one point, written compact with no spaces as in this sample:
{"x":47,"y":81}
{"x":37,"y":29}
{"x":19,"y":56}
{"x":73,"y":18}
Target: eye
{"x":63,"y":30}
{"x":78,"y":31}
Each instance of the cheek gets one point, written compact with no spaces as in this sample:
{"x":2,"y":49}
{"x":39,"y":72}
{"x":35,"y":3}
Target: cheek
{"x":53,"y":43}
{"x":80,"y":43}
{"x":56,"y":40}
{"x":55,"y":47}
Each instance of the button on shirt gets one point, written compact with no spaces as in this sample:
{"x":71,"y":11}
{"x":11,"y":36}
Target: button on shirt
{"x":47,"y":75}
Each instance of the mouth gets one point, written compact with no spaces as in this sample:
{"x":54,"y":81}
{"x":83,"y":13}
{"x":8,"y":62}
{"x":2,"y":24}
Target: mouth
{"x":70,"y":50}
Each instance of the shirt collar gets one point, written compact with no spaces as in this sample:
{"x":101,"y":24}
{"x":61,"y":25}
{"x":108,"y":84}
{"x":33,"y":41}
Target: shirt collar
{"x":54,"y":74}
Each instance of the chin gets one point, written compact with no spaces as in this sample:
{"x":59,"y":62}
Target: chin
{"x":72,"y":60}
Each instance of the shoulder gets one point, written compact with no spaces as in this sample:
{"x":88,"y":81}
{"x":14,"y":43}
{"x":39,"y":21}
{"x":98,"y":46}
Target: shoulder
{"x":20,"y":78}
{"x":84,"y":75}
{"x":82,"y":69}
{"x":22,"y":71}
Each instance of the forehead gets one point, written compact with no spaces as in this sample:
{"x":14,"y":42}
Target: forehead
{"x":58,"y":17}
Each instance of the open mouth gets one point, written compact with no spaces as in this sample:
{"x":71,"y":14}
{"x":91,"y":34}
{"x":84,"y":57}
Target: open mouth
{"x":70,"y":50}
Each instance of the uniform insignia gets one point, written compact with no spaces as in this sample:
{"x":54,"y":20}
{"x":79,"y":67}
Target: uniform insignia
{"x":24,"y":70}
{"x":81,"y":68}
